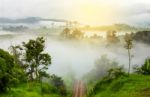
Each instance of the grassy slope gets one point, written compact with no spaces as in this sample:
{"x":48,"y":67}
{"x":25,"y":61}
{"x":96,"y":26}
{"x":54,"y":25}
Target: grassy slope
{"x":27,"y":90}
{"x":132,"y":86}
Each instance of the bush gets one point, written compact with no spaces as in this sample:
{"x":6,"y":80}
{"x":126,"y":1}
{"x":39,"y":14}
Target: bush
{"x":46,"y":88}
{"x":144,"y":69}
{"x":114,"y":73}
{"x":59,"y":84}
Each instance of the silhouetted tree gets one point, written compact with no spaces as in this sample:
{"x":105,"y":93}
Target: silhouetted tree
{"x":111,"y":37}
{"x":77,"y":34}
{"x":66,"y":32}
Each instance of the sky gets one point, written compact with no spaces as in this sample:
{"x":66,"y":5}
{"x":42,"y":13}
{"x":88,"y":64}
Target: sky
{"x":92,"y":12}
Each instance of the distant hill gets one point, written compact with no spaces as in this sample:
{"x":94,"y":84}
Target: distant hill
{"x":28,"y":20}
{"x":116,"y":27}
{"x":142,"y":36}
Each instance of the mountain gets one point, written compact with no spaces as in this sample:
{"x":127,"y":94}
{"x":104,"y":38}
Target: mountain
{"x":28,"y":20}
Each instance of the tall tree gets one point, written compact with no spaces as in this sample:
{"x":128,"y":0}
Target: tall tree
{"x":35,"y":58}
{"x":129,"y":45}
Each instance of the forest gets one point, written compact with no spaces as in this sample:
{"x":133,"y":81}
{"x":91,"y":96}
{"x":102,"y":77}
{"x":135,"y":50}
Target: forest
{"x":24,"y":70}
{"x":74,"y":48}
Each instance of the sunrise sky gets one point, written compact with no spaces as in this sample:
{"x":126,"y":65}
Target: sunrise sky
{"x":94,"y":12}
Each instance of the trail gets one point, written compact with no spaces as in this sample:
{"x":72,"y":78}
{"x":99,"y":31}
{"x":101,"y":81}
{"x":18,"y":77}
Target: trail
{"x":79,"y":89}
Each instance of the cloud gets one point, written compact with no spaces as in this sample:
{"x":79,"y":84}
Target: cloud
{"x":128,"y":11}
{"x":137,"y":14}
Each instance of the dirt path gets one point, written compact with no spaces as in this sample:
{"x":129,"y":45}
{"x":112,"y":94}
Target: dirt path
{"x":79,"y":89}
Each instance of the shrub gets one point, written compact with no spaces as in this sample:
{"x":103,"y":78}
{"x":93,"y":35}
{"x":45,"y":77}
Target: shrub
{"x":102,"y":85}
{"x":114,"y":73}
{"x":46,"y":88}
{"x":59,"y":84}
{"x":144,"y":69}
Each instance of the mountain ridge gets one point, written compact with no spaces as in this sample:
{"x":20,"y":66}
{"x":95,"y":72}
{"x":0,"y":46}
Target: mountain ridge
{"x":28,"y":20}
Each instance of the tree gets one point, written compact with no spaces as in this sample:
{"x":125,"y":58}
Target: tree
{"x":77,"y":34}
{"x":66,"y":32}
{"x":20,"y":68}
{"x":16,"y":52}
{"x":112,"y":37}
{"x":36,"y":60}
{"x":142,"y":36}
{"x":115,"y":72}
{"x":129,"y":45}
{"x":6,"y":70}
{"x":102,"y":65}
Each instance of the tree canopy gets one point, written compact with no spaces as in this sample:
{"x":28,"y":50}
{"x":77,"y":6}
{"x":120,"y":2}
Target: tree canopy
{"x":37,"y":61}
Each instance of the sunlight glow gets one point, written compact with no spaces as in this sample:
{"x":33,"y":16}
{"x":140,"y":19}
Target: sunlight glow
{"x":92,"y":13}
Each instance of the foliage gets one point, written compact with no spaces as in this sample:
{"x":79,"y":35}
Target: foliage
{"x":102,"y":65}
{"x":115,"y":72}
{"x":19,"y":67}
{"x":16,"y":52}
{"x":144,"y":69}
{"x":72,"y":34}
{"x":7,"y":76}
{"x":59,"y":84}
{"x":132,"y":86}
{"x":66,"y":32}
{"x":77,"y":34}
{"x":23,"y":90}
{"x":47,"y":89}
{"x":142,"y":36}
{"x":37,"y":61}
{"x":29,"y":61}
{"x":111,"y":37}
{"x":128,"y":39}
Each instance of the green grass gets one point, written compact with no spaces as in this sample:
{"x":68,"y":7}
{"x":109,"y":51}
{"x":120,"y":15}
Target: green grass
{"x":132,"y":86}
{"x":30,"y":90}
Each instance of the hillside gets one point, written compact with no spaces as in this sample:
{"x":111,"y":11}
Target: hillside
{"x":132,"y":86}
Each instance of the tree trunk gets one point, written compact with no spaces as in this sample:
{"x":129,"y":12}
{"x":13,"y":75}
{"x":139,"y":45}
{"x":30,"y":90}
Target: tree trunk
{"x":31,"y":74}
{"x":36,"y":68}
{"x":37,"y":74}
{"x":129,"y":61}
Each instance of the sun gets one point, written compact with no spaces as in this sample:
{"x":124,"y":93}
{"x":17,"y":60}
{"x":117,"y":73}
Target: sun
{"x":94,"y":14}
